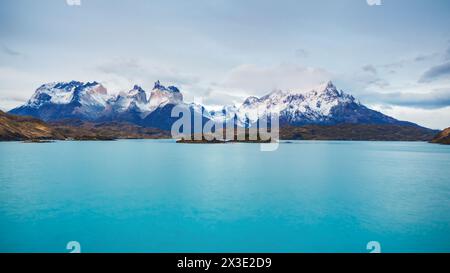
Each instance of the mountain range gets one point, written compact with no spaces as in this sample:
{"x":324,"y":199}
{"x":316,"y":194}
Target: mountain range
{"x":91,"y":102}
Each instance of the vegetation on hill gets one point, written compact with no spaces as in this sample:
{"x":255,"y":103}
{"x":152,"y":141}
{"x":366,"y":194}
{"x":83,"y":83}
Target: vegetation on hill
{"x":443,"y":137}
{"x":26,"y":128}
{"x":16,"y":128}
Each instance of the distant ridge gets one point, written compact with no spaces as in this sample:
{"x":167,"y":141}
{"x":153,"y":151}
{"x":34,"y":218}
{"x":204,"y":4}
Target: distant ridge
{"x":322,"y":105}
{"x":14,"y":128}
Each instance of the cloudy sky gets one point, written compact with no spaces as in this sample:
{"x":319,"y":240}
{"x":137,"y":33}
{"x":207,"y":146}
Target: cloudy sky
{"x":394,"y":57}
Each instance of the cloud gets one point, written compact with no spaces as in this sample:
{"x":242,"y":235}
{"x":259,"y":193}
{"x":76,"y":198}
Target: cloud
{"x":122,"y":73}
{"x":436,"y":72}
{"x":424,"y":117}
{"x":9,"y":51}
{"x":369,"y":68}
{"x":119,"y":66}
{"x":425,"y":57}
{"x":302,"y":53}
{"x":420,"y":58}
{"x":260,"y":80}
{"x":438,"y":98}
{"x":395,"y":65}
{"x":247,"y":80}
{"x":379,"y":83}
{"x":17,"y":86}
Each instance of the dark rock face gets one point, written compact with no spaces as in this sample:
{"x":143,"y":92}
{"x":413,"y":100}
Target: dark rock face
{"x":160,"y":118}
{"x":49,"y":112}
{"x":346,"y":113}
{"x":360,"y":114}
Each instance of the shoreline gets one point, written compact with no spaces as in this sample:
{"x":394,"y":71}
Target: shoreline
{"x":281,"y":141}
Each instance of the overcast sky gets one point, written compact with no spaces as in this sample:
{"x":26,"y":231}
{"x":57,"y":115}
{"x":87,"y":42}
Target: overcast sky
{"x":394,"y":57}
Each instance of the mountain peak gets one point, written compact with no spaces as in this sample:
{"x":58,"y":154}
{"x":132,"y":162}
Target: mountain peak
{"x":91,"y":83}
{"x":62,"y":85}
{"x":138,"y":88}
{"x":329,"y":90}
{"x":162,"y":95}
{"x":326,"y":87}
{"x":250,"y":100}
{"x":158,"y":85}
{"x":330,"y":84}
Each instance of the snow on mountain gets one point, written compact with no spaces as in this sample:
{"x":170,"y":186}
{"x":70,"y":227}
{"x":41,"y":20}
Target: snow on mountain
{"x":49,"y":93}
{"x":161,"y":96}
{"x":91,"y":94}
{"x":62,"y":100}
{"x":324,"y":104}
{"x":227,"y":113}
{"x":296,"y":106}
{"x":134,"y":98}
{"x":91,"y":101}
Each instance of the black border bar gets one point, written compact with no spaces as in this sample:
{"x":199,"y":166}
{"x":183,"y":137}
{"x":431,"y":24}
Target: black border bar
{"x":226,"y":262}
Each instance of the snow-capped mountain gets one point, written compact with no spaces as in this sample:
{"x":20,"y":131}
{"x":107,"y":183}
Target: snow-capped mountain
{"x":89,"y":94}
{"x":91,"y":101}
{"x":324,"y":104}
{"x":313,"y":106}
{"x":161,"y":96}
{"x":135,"y":98}
{"x":66,"y":100}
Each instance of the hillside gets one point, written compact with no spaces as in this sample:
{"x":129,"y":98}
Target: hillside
{"x":443,"y":137}
{"x":80,"y":130}
{"x":19,"y":128}
{"x":369,"y":132}
{"x":25,"y":128}
{"x":346,"y":132}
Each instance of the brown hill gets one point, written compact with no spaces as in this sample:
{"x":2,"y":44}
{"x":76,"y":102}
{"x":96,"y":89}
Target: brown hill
{"x":362,"y":132}
{"x":80,"y":130}
{"x":443,"y":137}
{"x":357,"y":132}
{"x":25,"y":128}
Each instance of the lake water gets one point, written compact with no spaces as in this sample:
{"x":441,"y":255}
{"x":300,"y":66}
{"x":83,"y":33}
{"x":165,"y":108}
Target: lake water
{"x":159,"y":196}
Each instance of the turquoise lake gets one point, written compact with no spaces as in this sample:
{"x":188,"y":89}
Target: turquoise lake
{"x":159,"y":196}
